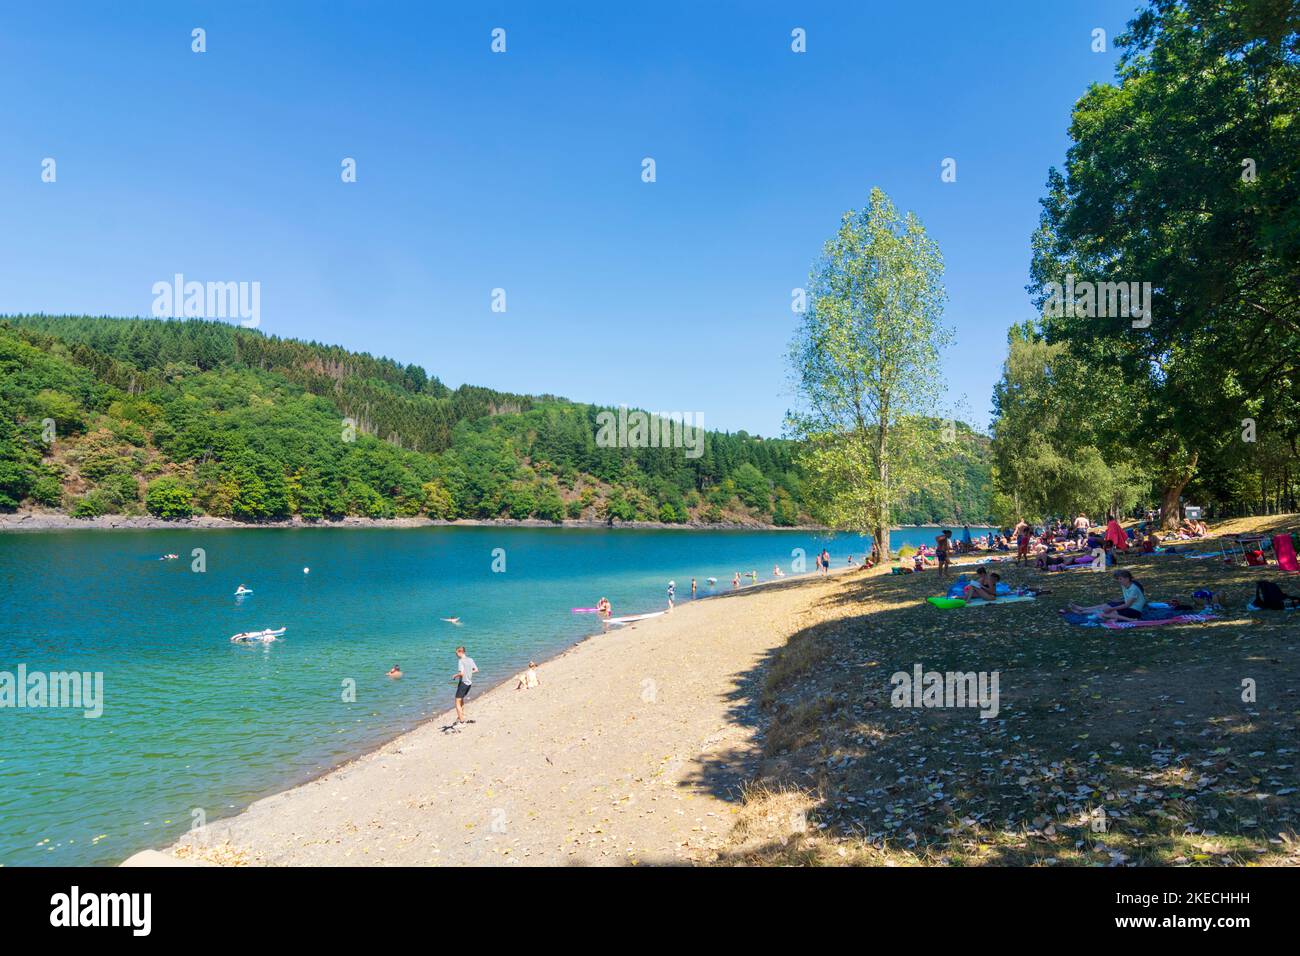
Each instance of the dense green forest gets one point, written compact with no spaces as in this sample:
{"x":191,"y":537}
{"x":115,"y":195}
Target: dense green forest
{"x":175,"y":418}
{"x":1183,"y":176}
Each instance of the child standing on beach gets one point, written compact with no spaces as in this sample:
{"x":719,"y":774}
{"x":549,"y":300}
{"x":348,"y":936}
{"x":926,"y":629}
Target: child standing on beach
{"x":672,"y":591}
{"x":1022,"y":543}
{"x":465,"y":671}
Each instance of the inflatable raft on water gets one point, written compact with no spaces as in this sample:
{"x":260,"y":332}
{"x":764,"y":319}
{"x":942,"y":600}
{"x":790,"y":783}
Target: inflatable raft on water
{"x":258,"y":637}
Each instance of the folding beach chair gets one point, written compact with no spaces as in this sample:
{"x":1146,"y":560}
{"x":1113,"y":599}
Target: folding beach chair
{"x":1245,"y":547}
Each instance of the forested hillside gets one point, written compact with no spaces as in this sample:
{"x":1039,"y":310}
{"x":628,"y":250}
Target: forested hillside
{"x":175,"y":418}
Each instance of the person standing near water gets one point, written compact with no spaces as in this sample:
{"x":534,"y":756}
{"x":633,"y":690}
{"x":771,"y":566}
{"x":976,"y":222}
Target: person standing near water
{"x":672,"y":591}
{"x":1022,"y":542}
{"x":942,"y":546}
{"x":465,"y":671}
{"x":692,"y":589}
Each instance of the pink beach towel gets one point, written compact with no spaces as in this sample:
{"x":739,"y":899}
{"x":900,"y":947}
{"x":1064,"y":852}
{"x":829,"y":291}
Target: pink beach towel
{"x":1284,"y":551}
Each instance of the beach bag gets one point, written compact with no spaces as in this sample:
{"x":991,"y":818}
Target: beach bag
{"x":1269,"y":596}
{"x":1256,"y":559}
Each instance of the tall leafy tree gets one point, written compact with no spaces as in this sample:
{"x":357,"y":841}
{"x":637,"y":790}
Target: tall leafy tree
{"x":1183,"y":174}
{"x":864,"y":364}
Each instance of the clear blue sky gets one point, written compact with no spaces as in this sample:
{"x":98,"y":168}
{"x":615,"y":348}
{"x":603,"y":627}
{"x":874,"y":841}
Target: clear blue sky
{"x":522,"y":171}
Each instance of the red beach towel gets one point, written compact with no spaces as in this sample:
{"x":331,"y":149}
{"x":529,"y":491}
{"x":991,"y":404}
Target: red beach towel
{"x":1284,"y":551}
{"x":1115,"y":535}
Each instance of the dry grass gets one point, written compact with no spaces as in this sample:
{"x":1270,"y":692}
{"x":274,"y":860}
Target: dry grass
{"x":1111,"y":747}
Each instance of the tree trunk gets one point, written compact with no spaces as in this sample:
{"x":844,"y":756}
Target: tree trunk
{"x":1169,"y":516}
{"x":1173,"y":488}
{"x":882,"y":462}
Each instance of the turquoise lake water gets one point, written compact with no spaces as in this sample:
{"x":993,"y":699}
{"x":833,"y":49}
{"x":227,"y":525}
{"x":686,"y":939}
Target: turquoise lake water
{"x":191,"y":721}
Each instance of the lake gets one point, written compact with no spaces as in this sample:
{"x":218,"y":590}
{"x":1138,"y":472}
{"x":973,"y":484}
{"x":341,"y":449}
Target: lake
{"x":192,"y":723}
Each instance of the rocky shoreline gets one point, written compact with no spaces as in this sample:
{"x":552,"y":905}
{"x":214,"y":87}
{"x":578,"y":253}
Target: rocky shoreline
{"x":56,"y":521}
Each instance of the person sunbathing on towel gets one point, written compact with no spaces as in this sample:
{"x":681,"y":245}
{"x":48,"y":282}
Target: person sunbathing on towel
{"x":1131,"y":608}
{"x":984,"y":587}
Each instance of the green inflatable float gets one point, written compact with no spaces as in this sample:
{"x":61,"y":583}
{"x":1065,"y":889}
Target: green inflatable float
{"x":938,"y":601}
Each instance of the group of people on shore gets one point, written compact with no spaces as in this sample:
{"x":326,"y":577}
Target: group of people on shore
{"x":1056,"y":544}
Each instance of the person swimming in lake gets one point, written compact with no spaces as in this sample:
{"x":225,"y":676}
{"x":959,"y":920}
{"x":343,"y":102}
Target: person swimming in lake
{"x":1131,"y":608}
{"x":777,"y":572}
{"x":396,"y":671}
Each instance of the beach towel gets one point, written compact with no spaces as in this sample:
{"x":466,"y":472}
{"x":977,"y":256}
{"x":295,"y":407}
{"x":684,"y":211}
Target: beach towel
{"x":1080,"y":620}
{"x":1115,"y":534}
{"x":963,"y":579}
{"x":1144,"y":622}
{"x":1011,"y":599}
{"x":1155,"y":611}
{"x":1079,"y":564}
{"x":1284,"y":551}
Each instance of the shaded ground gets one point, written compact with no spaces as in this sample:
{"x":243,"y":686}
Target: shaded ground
{"x":1151,"y":727}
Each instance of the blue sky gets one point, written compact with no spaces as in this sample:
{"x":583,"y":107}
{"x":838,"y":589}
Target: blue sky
{"x":522,"y":171}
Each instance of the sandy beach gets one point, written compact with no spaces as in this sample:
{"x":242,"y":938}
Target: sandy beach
{"x":632,"y":750}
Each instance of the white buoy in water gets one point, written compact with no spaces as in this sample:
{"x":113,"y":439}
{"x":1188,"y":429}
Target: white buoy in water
{"x":306,"y":570}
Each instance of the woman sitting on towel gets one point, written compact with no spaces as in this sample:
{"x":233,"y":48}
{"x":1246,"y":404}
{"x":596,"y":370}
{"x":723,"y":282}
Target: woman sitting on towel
{"x":984,"y":587}
{"x":1131,"y":608}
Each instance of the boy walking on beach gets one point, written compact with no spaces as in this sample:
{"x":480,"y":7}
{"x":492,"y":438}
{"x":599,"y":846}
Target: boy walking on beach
{"x":465,"y":671}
